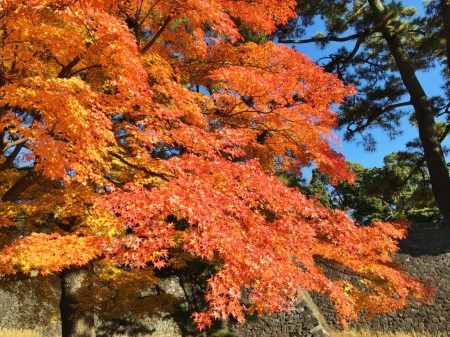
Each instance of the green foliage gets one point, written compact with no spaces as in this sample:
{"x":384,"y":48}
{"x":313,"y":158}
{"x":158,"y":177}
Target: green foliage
{"x":289,"y":179}
{"x":250,"y":35}
{"x":400,"y":189}
{"x":318,"y":186}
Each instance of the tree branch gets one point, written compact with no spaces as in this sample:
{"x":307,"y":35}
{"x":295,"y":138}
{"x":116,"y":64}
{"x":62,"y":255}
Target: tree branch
{"x":330,"y":38}
{"x":65,"y":71}
{"x":83,"y":69}
{"x":396,"y":105}
{"x":143,"y":169}
{"x":358,"y":44}
{"x":4,"y":140}
{"x":20,"y":186}
{"x":15,"y":143}
{"x":133,"y":23}
{"x":8,"y":162}
{"x":374,"y":115}
{"x":155,"y":37}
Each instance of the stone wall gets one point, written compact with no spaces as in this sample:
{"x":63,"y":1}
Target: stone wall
{"x":304,"y":319}
{"x":425,"y":254}
{"x":31,"y":304}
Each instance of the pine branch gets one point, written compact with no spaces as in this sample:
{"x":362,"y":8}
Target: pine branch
{"x":330,"y":38}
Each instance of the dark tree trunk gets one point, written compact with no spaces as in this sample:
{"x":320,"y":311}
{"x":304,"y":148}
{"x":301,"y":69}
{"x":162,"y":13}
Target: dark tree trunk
{"x":429,"y":137}
{"x":75,"y":322}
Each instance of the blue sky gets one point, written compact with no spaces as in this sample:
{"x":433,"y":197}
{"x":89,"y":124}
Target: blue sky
{"x":431,"y":81}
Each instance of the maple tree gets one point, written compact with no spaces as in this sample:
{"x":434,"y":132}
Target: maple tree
{"x":122,"y":119}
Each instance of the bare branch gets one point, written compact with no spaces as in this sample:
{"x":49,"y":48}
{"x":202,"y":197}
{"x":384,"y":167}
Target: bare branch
{"x":14,"y":143}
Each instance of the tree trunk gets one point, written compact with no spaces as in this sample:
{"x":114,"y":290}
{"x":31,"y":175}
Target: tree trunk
{"x":434,"y":156}
{"x":75,"y":322}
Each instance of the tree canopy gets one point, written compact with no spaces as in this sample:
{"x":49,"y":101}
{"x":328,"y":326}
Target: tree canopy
{"x":148,"y":133}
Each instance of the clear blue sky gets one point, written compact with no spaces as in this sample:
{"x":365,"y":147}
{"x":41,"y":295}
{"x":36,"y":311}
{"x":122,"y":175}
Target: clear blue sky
{"x":431,"y":82}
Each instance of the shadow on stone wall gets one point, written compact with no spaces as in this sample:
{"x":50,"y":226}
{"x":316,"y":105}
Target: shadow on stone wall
{"x":424,"y":254}
{"x":305,"y":319}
